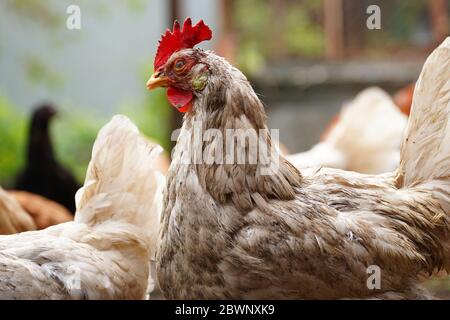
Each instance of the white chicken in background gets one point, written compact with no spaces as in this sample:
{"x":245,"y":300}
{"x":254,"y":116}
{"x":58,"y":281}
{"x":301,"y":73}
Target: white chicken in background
{"x":105,"y":252}
{"x":13,"y":218}
{"x":366,"y":137}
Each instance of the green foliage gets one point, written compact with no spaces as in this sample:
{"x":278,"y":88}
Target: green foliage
{"x":42,"y":12}
{"x":136,"y":5}
{"x":251,"y":18}
{"x":39,"y":73}
{"x":250,"y":59}
{"x":302,"y":35}
{"x":12,"y":138}
{"x":400,"y":21}
{"x":73,"y":135}
{"x":152,"y":117}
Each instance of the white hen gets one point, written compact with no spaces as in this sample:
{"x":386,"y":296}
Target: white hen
{"x":104,"y":253}
{"x":366,"y":137}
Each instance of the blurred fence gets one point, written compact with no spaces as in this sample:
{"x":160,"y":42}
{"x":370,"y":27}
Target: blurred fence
{"x":330,"y":29}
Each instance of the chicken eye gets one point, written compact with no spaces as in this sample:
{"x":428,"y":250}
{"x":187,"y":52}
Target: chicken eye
{"x":179,"y":65}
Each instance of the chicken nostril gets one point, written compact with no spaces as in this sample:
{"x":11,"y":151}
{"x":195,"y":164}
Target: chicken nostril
{"x":158,"y":74}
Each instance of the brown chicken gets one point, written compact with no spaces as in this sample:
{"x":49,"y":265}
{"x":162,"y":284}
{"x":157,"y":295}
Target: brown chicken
{"x":44,"y":212}
{"x":13,"y":219}
{"x":261,"y":229}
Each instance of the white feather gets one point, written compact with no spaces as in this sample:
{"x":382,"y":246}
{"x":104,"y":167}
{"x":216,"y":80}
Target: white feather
{"x":105,"y":252}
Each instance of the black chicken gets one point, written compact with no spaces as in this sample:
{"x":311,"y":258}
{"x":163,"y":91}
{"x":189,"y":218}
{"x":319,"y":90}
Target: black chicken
{"x":43,"y":174}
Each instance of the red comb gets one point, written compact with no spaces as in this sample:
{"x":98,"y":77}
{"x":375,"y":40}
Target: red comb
{"x":179,"y":39}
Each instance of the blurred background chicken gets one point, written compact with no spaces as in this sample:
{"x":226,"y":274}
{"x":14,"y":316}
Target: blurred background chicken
{"x":13,"y":219}
{"x":23,"y":211}
{"x":365,"y":137}
{"x":44,"y":212}
{"x":105,"y":252}
{"x":43,"y":174}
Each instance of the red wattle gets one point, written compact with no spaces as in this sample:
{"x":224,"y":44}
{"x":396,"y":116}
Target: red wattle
{"x":180,"y":99}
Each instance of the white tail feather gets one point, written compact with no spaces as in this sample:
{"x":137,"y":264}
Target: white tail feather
{"x":121,"y":183}
{"x":425,"y":153}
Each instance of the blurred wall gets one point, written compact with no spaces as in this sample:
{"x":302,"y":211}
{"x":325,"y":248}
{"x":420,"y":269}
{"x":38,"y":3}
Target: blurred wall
{"x":100,"y":66}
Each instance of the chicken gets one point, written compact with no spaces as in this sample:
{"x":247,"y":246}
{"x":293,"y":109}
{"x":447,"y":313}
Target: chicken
{"x":365,"y":138}
{"x":262,"y":230}
{"x":358,"y":138}
{"x":43,"y":174}
{"x":44,"y":212}
{"x":13,"y":219}
{"x":104,"y":253}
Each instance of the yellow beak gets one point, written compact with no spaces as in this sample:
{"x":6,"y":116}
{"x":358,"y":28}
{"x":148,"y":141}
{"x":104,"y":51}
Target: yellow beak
{"x":157,"y":80}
